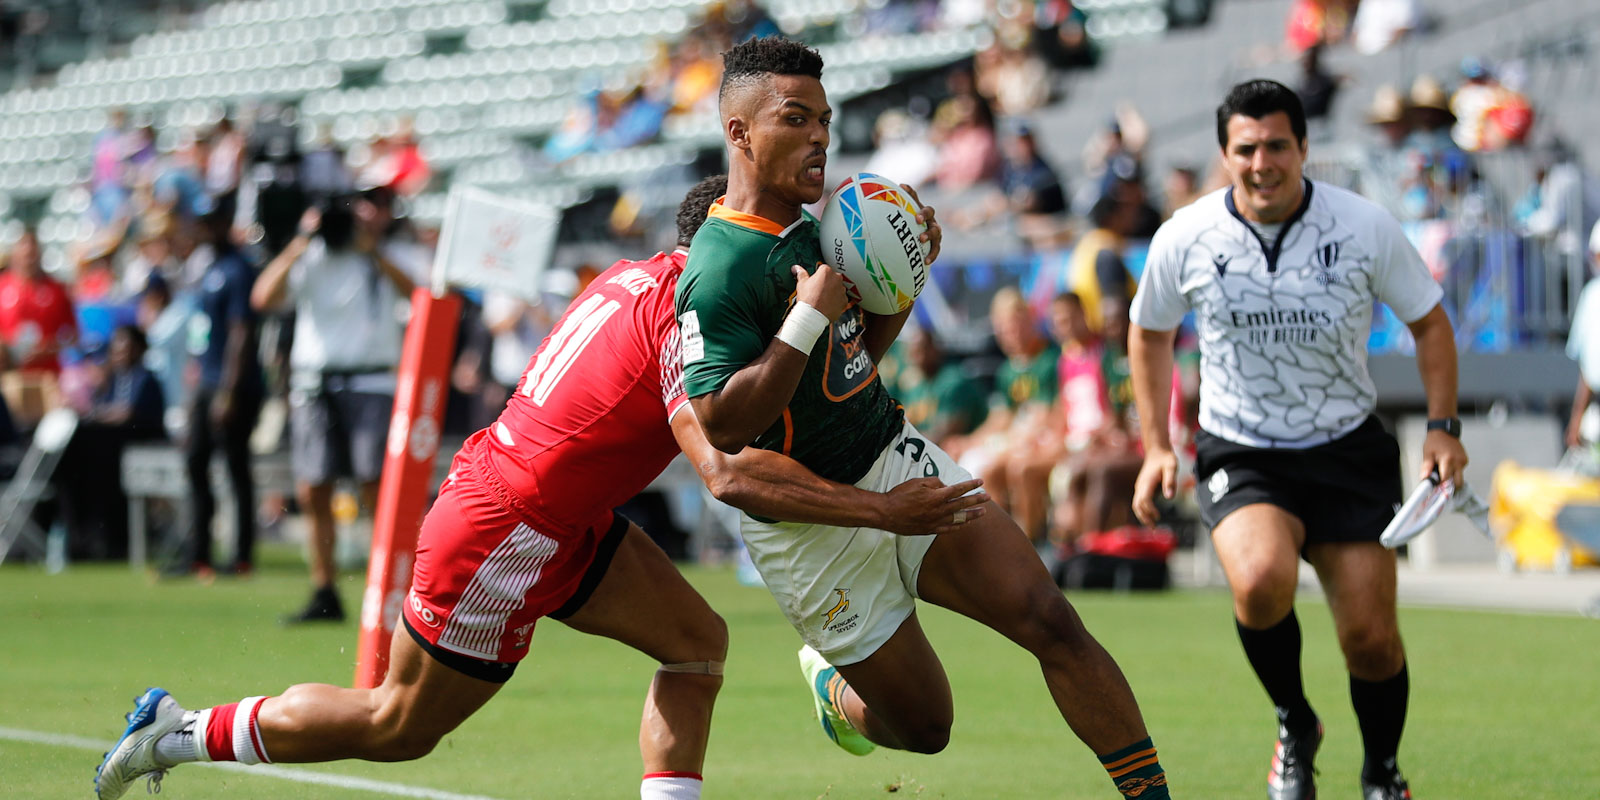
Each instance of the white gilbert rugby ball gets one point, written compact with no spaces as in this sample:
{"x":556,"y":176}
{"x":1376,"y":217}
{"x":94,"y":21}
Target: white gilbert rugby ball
{"x":869,"y":233}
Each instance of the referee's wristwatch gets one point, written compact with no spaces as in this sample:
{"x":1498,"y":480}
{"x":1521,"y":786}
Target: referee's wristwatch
{"x":1450,"y":425}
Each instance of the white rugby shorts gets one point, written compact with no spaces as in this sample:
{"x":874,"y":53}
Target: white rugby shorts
{"x":847,"y":590}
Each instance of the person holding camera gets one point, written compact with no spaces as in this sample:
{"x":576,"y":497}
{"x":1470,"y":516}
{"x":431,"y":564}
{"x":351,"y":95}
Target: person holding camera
{"x":347,"y":292}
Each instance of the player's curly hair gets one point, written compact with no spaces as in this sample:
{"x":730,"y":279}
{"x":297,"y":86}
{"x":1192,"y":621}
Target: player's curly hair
{"x":692,"y":211}
{"x":755,"y":59}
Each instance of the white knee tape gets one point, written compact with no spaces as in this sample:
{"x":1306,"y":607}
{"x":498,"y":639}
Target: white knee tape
{"x":694,"y":668}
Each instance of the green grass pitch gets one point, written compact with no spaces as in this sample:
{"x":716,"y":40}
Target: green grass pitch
{"x":1503,"y":706}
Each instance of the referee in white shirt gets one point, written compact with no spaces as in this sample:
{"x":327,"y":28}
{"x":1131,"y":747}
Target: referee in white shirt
{"x":1281,"y":273}
{"x":348,"y":290}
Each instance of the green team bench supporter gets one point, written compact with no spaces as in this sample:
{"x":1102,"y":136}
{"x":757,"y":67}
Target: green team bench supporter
{"x":732,"y":298}
{"x":1020,"y":382}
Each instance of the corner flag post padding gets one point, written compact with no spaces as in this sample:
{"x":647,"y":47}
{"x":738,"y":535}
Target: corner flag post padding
{"x":486,"y":241}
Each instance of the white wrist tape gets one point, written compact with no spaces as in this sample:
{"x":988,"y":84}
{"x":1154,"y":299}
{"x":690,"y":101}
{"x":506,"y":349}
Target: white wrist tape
{"x":802,"y":327}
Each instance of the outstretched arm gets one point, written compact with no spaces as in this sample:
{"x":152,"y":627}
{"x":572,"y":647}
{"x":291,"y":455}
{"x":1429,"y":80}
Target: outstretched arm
{"x":773,"y":485}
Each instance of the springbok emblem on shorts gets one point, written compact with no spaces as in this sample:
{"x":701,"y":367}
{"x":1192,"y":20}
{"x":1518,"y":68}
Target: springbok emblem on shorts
{"x":838,"y":608}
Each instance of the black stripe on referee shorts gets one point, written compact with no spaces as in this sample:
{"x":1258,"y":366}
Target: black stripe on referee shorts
{"x":604,"y":552}
{"x":491,"y":671}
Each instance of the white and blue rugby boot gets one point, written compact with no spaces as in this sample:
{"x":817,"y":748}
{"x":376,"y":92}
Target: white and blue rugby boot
{"x":155,"y":714}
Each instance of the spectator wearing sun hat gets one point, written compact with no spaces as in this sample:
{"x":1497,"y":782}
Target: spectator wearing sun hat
{"x":1384,"y":155}
{"x":1431,"y":121}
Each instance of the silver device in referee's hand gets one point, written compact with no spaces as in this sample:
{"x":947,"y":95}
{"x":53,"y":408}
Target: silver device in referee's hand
{"x":1427,"y":502}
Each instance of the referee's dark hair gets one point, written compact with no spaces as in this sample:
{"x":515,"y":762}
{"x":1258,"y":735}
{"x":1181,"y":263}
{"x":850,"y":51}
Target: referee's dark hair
{"x":696,"y":204}
{"x":1256,"y":99}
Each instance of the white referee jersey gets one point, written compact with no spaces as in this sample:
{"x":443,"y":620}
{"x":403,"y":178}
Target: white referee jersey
{"x":1283,"y":324}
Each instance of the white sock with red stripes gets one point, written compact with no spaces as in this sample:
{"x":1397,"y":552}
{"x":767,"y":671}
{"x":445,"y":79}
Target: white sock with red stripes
{"x":670,"y":786}
{"x":223,"y":733}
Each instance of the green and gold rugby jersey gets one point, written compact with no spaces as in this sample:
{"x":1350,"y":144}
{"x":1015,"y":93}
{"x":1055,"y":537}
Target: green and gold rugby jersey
{"x":733,"y":296}
{"x":1020,"y":382}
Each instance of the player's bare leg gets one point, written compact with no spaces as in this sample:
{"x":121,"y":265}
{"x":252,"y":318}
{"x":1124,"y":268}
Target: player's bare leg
{"x":991,"y":573}
{"x":419,"y":701}
{"x":645,"y":603}
{"x":1259,"y":547}
{"x":1359,"y":581}
{"x":899,"y":697}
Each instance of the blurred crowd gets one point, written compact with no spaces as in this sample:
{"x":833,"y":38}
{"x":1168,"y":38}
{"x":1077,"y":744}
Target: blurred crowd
{"x":208,"y":298}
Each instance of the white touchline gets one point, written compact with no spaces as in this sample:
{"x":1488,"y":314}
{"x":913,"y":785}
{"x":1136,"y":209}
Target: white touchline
{"x":263,"y":770}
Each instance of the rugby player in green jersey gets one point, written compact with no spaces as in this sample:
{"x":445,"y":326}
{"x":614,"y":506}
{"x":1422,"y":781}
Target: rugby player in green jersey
{"x":754,"y":273}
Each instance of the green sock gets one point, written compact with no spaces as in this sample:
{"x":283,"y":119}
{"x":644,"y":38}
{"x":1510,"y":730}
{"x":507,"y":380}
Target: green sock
{"x":1137,"y":772}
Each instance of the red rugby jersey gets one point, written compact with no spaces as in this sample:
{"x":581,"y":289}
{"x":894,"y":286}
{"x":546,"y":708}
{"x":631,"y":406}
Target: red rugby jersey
{"x":587,"y":427}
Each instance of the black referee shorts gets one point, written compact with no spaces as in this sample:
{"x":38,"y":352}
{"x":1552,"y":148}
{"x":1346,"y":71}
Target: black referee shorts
{"x":1344,"y":491}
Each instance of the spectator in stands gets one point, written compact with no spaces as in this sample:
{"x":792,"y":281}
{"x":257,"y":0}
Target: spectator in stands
{"x":224,"y":403}
{"x":969,"y":152}
{"x":1146,"y":218}
{"x":179,"y":186}
{"x":1583,"y":343}
{"x":37,"y":318}
{"x":94,"y":277}
{"x":1078,"y":412}
{"x":696,"y":71}
{"x":1380,"y":23}
{"x":638,"y":119}
{"x":1017,"y":80}
{"x":1564,"y":202}
{"x":153,"y":257}
{"x":397,"y":163}
{"x":1024,"y":390}
{"x":517,"y":327}
{"x":127,"y":407}
{"x":1431,"y":121}
{"x":141,"y":155}
{"x":1384,"y":154}
{"x":1096,"y":274}
{"x":903,"y":150}
{"x":1313,"y":22}
{"x":939,"y":398}
{"x":347,"y":293}
{"x":1031,"y":194}
{"x":1063,"y":38}
{"x":108,"y":182}
{"x":164,"y":320}
{"x":1317,"y":87}
{"x":579,"y":129}
{"x":1115,"y":154}
{"x":323,"y":172}
{"x":224,"y":165}
{"x":1181,"y":188}
{"x":1489,"y":116}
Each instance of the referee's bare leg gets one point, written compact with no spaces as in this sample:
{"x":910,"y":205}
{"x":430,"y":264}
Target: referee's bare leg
{"x":1259,"y":547}
{"x":900,"y":697}
{"x":642,"y":601}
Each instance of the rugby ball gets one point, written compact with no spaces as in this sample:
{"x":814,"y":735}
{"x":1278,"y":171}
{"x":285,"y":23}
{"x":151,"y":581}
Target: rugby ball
{"x":869,"y":233}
